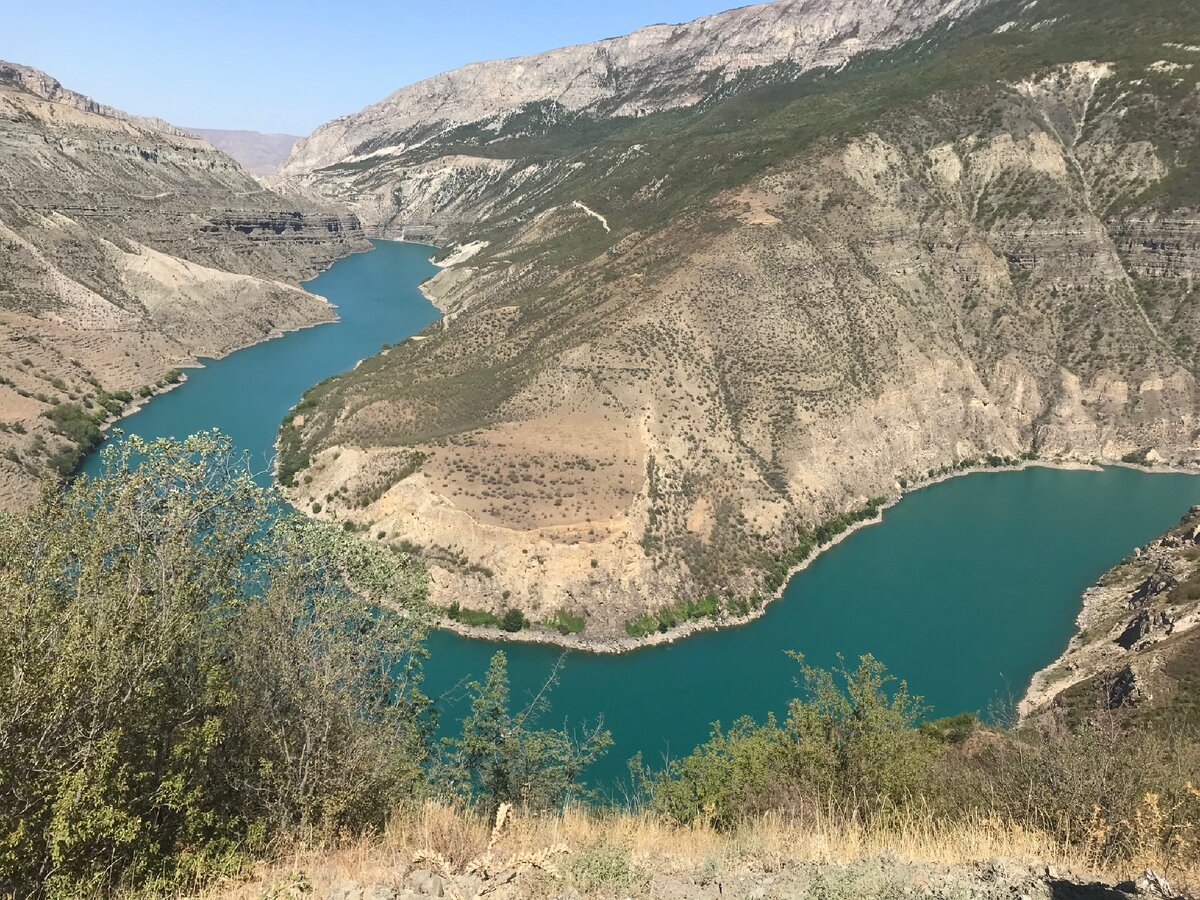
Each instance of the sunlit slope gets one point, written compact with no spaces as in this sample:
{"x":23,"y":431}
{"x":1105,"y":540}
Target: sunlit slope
{"x":674,"y":342}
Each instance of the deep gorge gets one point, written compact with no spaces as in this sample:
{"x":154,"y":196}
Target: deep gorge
{"x":1011,"y":552}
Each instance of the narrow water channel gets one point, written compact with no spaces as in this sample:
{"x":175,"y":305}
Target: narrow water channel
{"x":965,"y":589}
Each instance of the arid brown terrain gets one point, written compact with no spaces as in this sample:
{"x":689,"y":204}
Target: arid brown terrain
{"x":129,"y":249}
{"x":671,"y":354}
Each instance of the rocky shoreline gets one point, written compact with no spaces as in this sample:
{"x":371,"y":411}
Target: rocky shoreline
{"x":625,"y":644}
{"x":1125,"y":619}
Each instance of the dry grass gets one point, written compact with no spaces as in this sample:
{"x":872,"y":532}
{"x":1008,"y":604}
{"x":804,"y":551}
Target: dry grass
{"x":439,"y":837}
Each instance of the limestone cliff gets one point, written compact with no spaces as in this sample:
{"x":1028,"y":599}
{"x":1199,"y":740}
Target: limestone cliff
{"x":675,"y":345}
{"x":129,"y":248}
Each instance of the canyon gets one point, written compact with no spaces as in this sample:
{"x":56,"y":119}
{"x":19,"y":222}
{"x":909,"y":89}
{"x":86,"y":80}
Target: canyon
{"x":129,"y":249}
{"x":685,"y":332}
{"x":821,"y":355}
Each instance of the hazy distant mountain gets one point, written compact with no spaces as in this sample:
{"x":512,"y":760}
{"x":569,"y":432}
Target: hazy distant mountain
{"x":262,"y":154}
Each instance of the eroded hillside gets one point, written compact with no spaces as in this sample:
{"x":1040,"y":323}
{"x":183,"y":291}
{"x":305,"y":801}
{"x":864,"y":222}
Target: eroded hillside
{"x":128,"y":249}
{"x":1135,"y":649}
{"x":673,"y":354}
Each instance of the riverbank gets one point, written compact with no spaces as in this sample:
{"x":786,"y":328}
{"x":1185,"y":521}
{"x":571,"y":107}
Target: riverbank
{"x":614,"y":644}
{"x":326,"y":313}
{"x":199,"y":362}
{"x":1129,"y":627}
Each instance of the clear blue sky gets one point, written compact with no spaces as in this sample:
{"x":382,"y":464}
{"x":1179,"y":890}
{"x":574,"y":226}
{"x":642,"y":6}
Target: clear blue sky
{"x":273,"y":65}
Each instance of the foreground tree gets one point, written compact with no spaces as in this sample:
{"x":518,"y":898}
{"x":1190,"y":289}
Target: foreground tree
{"x":186,"y":675}
{"x":499,"y":757}
{"x":851,"y":740}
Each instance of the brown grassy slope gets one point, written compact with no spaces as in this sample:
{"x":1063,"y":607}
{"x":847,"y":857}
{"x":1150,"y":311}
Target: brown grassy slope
{"x":603,"y":856}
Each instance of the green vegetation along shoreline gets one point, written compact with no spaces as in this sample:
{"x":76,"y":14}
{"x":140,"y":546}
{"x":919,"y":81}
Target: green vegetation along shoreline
{"x":714,"y":612}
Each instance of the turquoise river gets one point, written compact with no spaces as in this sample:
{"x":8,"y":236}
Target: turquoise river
{"x":965,"y":589}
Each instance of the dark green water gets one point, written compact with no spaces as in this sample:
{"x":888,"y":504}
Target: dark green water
{"x":966,"y":589}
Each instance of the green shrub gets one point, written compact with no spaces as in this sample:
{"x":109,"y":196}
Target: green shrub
{"x":601,"y":866}
{"x":645,"y":624}
{"x":1139,"y":457}
{"x":852,"y":735}
{"x":809,"y":541}
{"x":951,"y":729}
{"x":1093,"y":781}
{"x":170,"y":649}
{"x":667,"y":617}
{"x":80,"y":428}
{"x":499,"y":758}
{"x":292,"y":455}
{"x":476,"y":618}
{"x":731,"y":776}
{"x":514,"y":620}
{"x":565,"y":623}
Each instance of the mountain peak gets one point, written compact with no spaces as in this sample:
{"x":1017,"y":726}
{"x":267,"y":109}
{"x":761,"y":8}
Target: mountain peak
{"x":656,"y":68}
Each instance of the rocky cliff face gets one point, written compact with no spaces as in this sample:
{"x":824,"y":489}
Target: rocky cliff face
{"x":399,"y":162}
{"x":38,"y":83}
{"x":129,"y":248}
{"x":676,"y":345}
{"x":1135,"y":651}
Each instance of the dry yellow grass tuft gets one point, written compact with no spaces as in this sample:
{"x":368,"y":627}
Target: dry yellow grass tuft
{"x":536,"y":855}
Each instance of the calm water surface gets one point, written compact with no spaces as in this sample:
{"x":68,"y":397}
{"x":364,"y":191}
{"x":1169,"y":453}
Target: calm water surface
{"x":966,"y":589}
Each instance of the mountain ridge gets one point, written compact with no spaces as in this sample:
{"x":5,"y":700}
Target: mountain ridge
{"x":761,"y":27}
{"x":50,"y":88}
{"x":653,"y":69}
{"x":128,"y":249}
{"x":811,"y":292}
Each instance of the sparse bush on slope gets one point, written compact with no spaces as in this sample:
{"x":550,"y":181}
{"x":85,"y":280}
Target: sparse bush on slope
{"x":848,"y":737}
{"x":497,"y":759}
{"x":187,"y":677}
{"x":854,"y":752}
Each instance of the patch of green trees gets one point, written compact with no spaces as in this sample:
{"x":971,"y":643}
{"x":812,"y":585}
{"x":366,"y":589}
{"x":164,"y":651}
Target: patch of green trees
{"x":511,"y":620}
{"x":80,"y":428}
